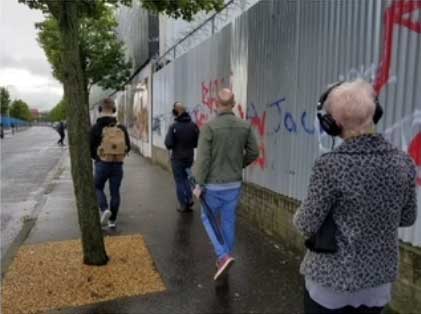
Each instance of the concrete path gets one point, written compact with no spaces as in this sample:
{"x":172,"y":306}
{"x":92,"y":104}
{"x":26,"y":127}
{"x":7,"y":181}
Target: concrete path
{"x":264,"y":279}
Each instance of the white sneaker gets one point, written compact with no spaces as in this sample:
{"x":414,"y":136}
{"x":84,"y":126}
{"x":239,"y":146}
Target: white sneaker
{"x":112,"y":224}
{"x":105,"y":215}
{"x":223,"y":266}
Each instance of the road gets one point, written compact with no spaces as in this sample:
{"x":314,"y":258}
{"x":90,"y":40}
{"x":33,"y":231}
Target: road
{"x":27,"y":158}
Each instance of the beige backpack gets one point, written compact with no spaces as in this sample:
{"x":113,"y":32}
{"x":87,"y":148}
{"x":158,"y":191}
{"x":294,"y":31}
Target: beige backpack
{"x":113,"y":145}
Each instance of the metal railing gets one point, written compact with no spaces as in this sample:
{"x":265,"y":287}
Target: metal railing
{"x":172,"y":51}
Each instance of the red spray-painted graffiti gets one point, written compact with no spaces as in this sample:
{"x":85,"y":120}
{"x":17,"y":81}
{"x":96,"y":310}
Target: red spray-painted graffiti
{"x":259,"y":123}
{"x":394,"y":15}
{"x":399,"y":14}
{"x":209,"y":91}
{"x":406,"y":134}
{"x":414,"y":150}
{"x":240,"y":110}
{"x":203,"y":112}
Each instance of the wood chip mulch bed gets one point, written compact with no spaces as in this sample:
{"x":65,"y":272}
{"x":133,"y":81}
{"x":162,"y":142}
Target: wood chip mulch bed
{"x":52,"y":276}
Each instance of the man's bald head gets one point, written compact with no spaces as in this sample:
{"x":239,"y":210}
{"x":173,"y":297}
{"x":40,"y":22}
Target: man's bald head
{"x":226,"y":99}
{"x":108,"y":105}
{"x":178,"y":108}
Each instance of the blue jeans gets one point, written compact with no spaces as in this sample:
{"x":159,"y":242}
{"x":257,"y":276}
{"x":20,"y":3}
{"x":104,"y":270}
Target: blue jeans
{"x":224,"y":205}
{"x":184,"y":191}
{"x":112,"y":171}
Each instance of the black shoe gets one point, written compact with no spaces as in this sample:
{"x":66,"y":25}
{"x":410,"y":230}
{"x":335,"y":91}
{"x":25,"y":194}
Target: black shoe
{"x":184,"y":210}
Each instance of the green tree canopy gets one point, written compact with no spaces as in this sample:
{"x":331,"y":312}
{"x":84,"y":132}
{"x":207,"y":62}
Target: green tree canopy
{"x":185,"y":9}
{"x":101,"y":53}
{"x":58,"y":113}
{"x":4,"y":100}
{"x":20,"y":110}
{"x":182,"y":9}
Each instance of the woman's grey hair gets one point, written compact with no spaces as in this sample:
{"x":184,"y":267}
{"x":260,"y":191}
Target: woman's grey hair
{"x":352,"y":105}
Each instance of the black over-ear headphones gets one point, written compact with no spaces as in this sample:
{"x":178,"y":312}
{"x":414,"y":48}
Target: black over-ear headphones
{"x":100,"y":109}
{"x":329,"y":124}
{"x":174,"y":112}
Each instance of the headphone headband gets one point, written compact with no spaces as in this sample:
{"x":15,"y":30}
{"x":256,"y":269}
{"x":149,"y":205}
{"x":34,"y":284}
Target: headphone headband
{"x":328,"y":123}
{"x":324,"y":96}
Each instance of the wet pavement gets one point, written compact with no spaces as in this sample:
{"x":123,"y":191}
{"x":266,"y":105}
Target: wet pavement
{"x":27,"y":159}
{"x":264,"y":278}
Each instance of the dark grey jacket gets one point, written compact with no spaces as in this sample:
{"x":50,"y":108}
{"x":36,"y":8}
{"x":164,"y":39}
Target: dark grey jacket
{"x":182,"y":137}
{"x":369,"y":186}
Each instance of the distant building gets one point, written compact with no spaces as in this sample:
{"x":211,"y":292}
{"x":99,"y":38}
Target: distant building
{"x":35,"y":114}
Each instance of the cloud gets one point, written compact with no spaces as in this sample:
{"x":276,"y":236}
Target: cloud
{"x":39,"y":91}
{"x":35,"y":65}
{"x":24,"y":68}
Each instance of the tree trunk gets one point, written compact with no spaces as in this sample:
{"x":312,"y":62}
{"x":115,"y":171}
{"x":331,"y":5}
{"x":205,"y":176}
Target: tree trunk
{"x":77,"y":111}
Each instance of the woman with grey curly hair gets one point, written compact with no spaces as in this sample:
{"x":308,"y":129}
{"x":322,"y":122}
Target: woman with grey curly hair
{"x":359,"y":194}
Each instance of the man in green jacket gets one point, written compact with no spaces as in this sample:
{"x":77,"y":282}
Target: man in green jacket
{"x":227,"y":145}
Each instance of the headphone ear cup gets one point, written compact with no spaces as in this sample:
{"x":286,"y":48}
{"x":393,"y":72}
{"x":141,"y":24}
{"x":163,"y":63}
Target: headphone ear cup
{"x":378,"y":112}
{"x":329,"y":125}
{"x":99,"y":108}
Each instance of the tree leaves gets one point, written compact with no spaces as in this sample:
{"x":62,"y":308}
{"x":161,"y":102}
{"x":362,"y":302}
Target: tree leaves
{"x":185,"y":9}
{"x":58,"y":113}
{"x":102,"y":53}
{"x":20,"y":110}
{"x":49,"y":39}
{"x":4,"y":100}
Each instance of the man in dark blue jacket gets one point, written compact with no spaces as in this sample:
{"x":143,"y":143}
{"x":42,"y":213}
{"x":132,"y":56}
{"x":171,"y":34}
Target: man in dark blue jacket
{"x":182,"y":139}
{"x":61,"y":131}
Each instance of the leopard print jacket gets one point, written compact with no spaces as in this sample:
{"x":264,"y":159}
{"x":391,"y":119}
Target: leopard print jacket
{"x":369,"y":185}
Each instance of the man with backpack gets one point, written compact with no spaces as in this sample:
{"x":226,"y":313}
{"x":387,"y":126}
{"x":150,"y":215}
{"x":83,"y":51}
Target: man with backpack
{"x":110,"y":143}
{"x":182,"y":139}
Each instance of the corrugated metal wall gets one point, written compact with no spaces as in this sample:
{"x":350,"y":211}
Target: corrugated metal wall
{"x":133,"y":29}
{"x":192,"y":79}
{"x":279,"y":56}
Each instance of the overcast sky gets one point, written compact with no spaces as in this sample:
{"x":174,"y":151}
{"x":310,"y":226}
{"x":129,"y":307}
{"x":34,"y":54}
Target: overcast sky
{"x":24,"y":69}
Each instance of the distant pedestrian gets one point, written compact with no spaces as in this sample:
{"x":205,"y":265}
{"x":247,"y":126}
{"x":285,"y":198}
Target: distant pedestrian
{"x":359,"y":194}
{"x":227,"y":145}
{"x":61,"y":131}
{"x":182,"y":139}
{"x":110,"y":143}
{"x":12,"y":126}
